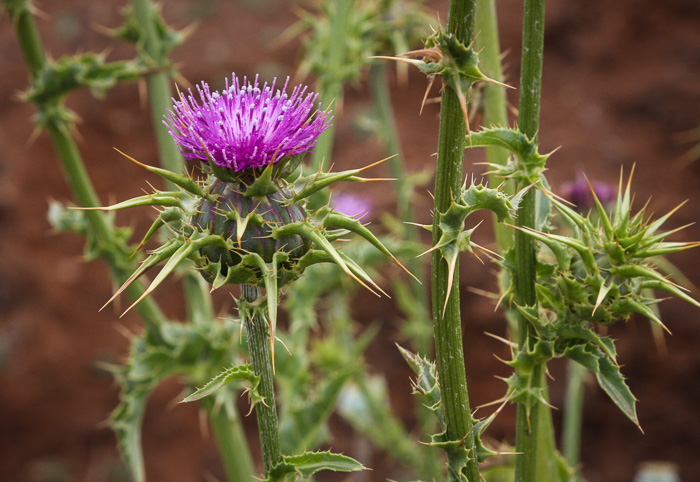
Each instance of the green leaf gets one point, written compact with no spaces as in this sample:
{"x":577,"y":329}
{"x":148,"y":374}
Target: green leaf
{"x":426,"y":384}
{"x":125,"y":421}
{"x":608,"y":375}
{"x":530,"y":163}
{"x":240,"y":372}
{"x":309,"y":463}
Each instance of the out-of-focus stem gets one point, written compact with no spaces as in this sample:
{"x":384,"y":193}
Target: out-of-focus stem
{"x":388,"y":133}
{"x":404,"y":201}
{"x":447,"y":325}
{"x":232,"y":443}
{"x":76,"y":175}
{"x":330,"y":84}
{"x":258,"y":335}
{"x":495,"y":110}
{"x":159,"y":91}
{"x":534,"y":433}
{"x":573,"y":413}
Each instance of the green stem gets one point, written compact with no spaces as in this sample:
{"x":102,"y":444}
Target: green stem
{"x":534,"y":434}
{"x":101,"y":230}
{"x":573,"y":413}
{"x":404,"y":202}
{"x":258,"y":335}
{"x":388,"y":133}
{"x":495,"y":110}
{"x":231,"y":440}
{"x":447,"y":325}
{"x":331,"y":81}
{"x":159,"y":92}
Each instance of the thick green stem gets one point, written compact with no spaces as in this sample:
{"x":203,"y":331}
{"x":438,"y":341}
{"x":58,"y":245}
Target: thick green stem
{"x":258,"y":335}
{"x":447,"y":325}
{"x":231,"y":440}
{"x":573,"y":414}
{"x":495,"y":109}
{"x":534,"y":435}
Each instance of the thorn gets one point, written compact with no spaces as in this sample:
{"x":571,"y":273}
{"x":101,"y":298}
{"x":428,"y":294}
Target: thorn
{"x":450,"y":279}
{"x":131,"y":159}
{"x":431,"y":80}
{"x":501,"y":339}
{"x":375,"y":163}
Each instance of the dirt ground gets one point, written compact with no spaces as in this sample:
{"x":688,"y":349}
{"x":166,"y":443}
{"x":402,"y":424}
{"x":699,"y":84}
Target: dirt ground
{"x":621,"y":82}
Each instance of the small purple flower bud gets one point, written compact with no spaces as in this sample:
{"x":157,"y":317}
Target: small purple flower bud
{"x":579,"y":192}
{"x":352,"y":205}
{"x":248,"y":129}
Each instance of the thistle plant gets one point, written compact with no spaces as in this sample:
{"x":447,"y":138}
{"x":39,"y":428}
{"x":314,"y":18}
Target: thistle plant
{"x":242,"y":215}
{"x":246,"y":224}
{"x":600,"y":275}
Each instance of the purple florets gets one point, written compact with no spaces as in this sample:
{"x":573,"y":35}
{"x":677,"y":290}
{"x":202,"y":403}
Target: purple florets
{"x":351,"y":205}
{"x":579,"y":192}
{"x":245,"y":127}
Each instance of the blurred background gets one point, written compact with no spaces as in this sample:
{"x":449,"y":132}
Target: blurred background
{"x":621,"y":88}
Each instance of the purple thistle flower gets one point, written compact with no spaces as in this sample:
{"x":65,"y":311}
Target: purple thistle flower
{"x":244,"y":127}
{"x":351,"y":205}
{"x":579,"y":192}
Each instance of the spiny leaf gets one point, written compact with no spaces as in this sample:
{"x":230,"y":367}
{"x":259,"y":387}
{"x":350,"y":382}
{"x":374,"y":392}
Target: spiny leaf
{"x":321,"y":180}
{"x":344,"y":222}
{"x":303,"y":229}
{"x":156,"y":199}
{"x":235,"y":373}
{"x":185,"y":182}
{"x":162,"y":253}
{"x":608,"y":375}
{"x":308,"y":463}
{"x":182,"y":253}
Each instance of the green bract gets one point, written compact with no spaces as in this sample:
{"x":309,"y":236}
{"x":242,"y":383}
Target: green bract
{"x":257,"y":232}
{"x":250,"y":221}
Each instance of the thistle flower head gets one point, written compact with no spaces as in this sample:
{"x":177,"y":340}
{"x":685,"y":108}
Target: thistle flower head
{"x":245,"y":126}
{"x":352,"y":205}
{"x":581,"y":193}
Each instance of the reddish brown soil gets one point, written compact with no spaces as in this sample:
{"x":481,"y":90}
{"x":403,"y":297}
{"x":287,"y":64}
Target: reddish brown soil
{"x":621,"y":81}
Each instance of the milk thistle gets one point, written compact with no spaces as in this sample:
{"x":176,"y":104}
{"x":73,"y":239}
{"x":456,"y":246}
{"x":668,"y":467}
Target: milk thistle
{"x":247,"y":223}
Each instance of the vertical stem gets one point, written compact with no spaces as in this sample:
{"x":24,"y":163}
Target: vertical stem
{"x":331,"y":81}
{"x":259,"y":347}
{"x":447,"y":325}
{"x":231,"y":441}
{"x":404,"y":202}
{"x":159,"y":92}
{"x":534,"y":434}
{"x":387,"y":123}
{"x":75,"y":172}
{"x":495,"y":111}
{"x":30,"y":43}
{"x":573,"y":412}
